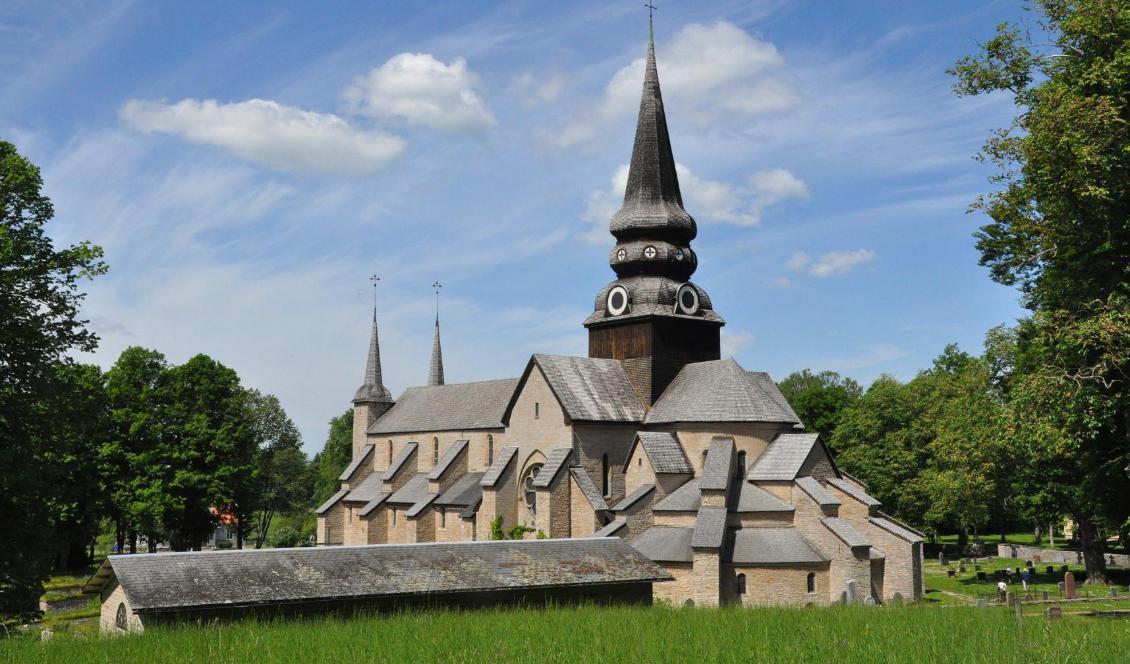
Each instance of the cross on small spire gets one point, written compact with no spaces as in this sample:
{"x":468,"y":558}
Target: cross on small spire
{"x":437,"y":285}
{"x":374,"y":278}
{"x":651,"y":18}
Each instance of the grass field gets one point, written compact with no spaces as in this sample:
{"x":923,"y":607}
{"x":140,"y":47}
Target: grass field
{"x":917,"y":633}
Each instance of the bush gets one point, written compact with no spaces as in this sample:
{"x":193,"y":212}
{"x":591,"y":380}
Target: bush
{"x":223,"y":544}
{"x":286,"y":537}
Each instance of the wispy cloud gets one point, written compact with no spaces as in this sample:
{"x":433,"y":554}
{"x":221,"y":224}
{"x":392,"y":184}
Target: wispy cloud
{"x":830,"y":263}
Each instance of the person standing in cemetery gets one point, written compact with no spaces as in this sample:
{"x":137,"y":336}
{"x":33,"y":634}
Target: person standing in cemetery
{"x":1024,"y":578}
{"x":1002,"y":590}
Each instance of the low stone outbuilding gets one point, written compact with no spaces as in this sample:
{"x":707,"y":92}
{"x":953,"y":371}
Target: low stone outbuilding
{"x":138,"y":591}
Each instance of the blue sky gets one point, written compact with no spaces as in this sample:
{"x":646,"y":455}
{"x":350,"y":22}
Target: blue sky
{"x":246,"y":166}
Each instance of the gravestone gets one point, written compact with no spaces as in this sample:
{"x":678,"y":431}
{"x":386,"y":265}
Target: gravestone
{"x":1053,"y":612}
{"x":843,"y":597}
{"x":1037,"y":558}
{"x":941,"y":558}
{"x":981,"y":576}
{"x":982,"y":603}
{"x":977,"y":567}
{"x":1113,"y":591}
{"x":1044,"y":595}
{"x":950,"y":573}
{"x":1069,"y":586}
{"x":1009,"y":598}
{"x":1031,"y":565}
{"x":897,"y":599}
{"x":851,"y":592}
{"x":868,"y":601}
{"x":1027,"y":597}
{"x":961,"y":568}
{"x":1060,"y":585}
{"x":1050,"y":570}
{"x":1063,"y":568}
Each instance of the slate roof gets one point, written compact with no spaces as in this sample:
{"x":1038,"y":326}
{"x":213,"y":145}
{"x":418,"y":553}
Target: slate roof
{"x":447,"y":459}
{"x":854,"y":491}
{"x":421,"y":504}
{"x":366,"y":490}
{"x":373,"y":389}
{"x":356,"y":463}
{"x":325,"y":507}
{"x":611,"y":529}
{"x":771,"y":546}
{"x":721,"y":391}
{"x":406,"y":453}
{"x":463,"y":492}
{"x":227,"y":579}
{"x":666,"y":544}
{"x":470,"y":510}
{"x":816,"y":491}
{"x":663,"y":452}
{"x":687,"y":498}
{"x":716,"y":467}
{"x":588,"y":488}
{"x":413,"y":491}
{"x":896,"y":529}
{"x":435,"y":367}
{"x":590,"y":389}
{"x":375,"y":503}
{"x":783,"y":458}
{"x":751,"y":498}
{"x":554,"y":462}
{"x":457,"y":407}
{"x":494,"y":473}
{"x":633,"y":497}
{"x":709,"y":528}
{"x":845,"y":531}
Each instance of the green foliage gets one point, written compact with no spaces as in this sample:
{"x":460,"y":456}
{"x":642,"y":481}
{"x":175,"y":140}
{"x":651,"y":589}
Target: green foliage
{"x":334,"y":457}
{"x":541,"y":534}
{"x":39,"y":302}
{"x":286,"y":537}
{"x":820,"y":398}
{"x":285,"y":476}
{"x":496,"y":532}
{"x":519,"y":532}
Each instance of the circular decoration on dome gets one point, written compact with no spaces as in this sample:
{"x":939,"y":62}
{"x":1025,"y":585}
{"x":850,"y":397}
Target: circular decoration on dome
{"x":686,"y":300}
{"x":621,"y":254}
{"x":649,"y":252}
{"x":617,"y":300}
{"x":679,"y":255}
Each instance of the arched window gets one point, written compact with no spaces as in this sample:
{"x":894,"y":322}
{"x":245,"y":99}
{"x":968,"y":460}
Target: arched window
{"x":529,"y":494}
{"x":812,"y":582}
{"x":741,"y":584}
{"x":120,"y":617}
{"x":435,"y":451}
{"x":390,"y":452}
{"x":605,"y":476}
{"x":741,"y":465}
{"x":490,"y":450}
{"x":689,"y":604}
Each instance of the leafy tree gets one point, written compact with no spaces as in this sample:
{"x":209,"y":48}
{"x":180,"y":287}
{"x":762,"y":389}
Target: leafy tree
{"x":285,"y":477}
{"x":1059,"y":231}
{"x":39,"y":302}
{"x":820,"y":398}
{"x":333,"y":458}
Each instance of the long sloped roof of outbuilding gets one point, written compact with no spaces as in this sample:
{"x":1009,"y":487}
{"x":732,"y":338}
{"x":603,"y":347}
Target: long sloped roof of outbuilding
{"x":226,"y":579}
{"x":770,"y":546}
{"x":721,"y":391}
{"x":455,"y":407}
{"x":589,"y":389}
{"x":666,"y":544}
{"x":854,"y":491}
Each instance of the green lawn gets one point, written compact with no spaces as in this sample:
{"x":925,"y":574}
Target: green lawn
{"x":856,"y":634}
{"x":966,"y":583}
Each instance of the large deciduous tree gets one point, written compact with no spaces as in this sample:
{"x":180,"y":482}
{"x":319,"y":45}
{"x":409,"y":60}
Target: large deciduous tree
{"x":820,"y":398}
{"x":285,"y":480}
{"x":39,"y":323}
{"x":333,"y":458}
{"x":1059,"y":230}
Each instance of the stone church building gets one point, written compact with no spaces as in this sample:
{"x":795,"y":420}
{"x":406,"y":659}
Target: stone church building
{"x":699,"y":464}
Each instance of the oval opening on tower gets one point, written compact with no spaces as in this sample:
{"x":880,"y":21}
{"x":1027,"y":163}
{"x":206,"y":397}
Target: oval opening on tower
{"x":617,"y":300}
{"x":686,"y":300}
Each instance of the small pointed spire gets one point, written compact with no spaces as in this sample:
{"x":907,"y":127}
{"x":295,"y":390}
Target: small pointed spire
{"x":435,"y":371}
{"x":373,"y":389}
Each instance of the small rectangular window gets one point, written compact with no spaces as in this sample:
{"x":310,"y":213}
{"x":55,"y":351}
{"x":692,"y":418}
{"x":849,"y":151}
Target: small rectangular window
{"x":394,"y":517}
{"x":443,"y":518}
{"x":537,"y":410}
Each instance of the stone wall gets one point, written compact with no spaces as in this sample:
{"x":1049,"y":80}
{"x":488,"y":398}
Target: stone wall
{"x":639,"y":516}
{"x":583,"y":520}
{"x":592,"y":441}
{"x":902,"y":567}
{"x":113,"y":595}
{"x":400,"y":528}
{"x":706,"y":579}
{"x":476,"y":447}
{"x":452,"y":527}
{"x":331,"y":525}
{"x":751,"y":438}
{"x":639,"y":471}
{"x":847,"y":564}
{"x":1056,"y":556}
{"x":680,"y":590}
{"x":501,"y":499}
{"x":356,"y":528}
{"x":779,"y":586}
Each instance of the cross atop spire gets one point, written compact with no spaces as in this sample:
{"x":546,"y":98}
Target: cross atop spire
{"x":651,"y":19}
{"x":373,"y":389}
{"x":435,"y":370}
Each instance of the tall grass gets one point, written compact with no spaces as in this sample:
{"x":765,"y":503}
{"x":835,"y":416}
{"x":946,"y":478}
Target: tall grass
{"x":588,"y":634}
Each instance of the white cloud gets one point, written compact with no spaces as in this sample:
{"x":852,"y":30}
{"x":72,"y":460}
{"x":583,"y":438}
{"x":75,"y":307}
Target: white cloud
{"x":733,"y":343}
{"x":871,"y":356}
{"x":535,"y":89}
{"x":708,"y":71}
{"x":706,"y":200}
{"x":421,"y":90}
{"x":278,"y":136}
{"x":830,"y":263}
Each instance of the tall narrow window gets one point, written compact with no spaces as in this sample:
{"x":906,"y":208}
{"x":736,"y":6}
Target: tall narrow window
{"x":394,"y":517}
{"x":490,"y":450}
{"x":740,"y":470}
{"x":537,"y":410}
{"x":741,"y":584}
{"x":443,"y":518}
{"x":605,"y":476}
{"x":435,"y":451}
{"x":120,"y":617}
{"x":390,"y":453}
{"x":812,"y":582}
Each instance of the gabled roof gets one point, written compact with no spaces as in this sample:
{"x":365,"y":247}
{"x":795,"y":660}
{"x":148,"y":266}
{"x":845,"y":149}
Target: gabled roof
{"x":356,"y":463}
{"x":469,"y":511}
{"x":666,"y":544}
{"x":771,"y":546}
{"x":752,"y":498}
{"x":663,"y":450}
{"x":611,"y":529}
{"x":457,"y":407}
{"x":592,"y":494}
{"x":448,"y":458}
{"x":716,"y":467}
{"x":552,"y":466}
{"x":333,"y":500}
{"x":228,"y":579}
{"x":895,"y":529}
{"x":402,"y":458}
{"x":709,"y":528}
{"x":375,"y":503}
{"x":421,"y":504}
{"x":589,"y":389}
{"x":463,"y":492}
{"x":366,"y":490}
{"x":853,"y":491}
{"x":494,"y":473}
{"x":784,"y":457}
{"x":413,"y":491}
{"x":845,"y":531}
{"x":721,"y":391}
{"x":687,"y":498}
{"x":813,"y":488}
{"x":633,"y":497}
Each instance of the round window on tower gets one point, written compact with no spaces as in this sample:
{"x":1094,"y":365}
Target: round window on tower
{"x":686,"y":300}
{"x":621,"y":254}
{"x":617,"y":300}
{"x":679,"y":255}
{"x":649,"y":252}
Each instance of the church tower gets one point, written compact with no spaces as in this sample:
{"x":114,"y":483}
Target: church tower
{"x":652,"y":318}
{"x":372,"y":399}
